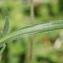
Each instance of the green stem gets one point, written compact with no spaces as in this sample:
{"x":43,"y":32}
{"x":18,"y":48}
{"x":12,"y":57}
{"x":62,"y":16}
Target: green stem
{"x":31,"y":30}
{"x":31,"y":21}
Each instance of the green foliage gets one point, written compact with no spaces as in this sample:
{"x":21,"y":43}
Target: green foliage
{"x":6,"y":27}
{"x":29,"y":30}
{"x":2,"y":47}
{"x":3,"y":33}
{"x":15,"y":50}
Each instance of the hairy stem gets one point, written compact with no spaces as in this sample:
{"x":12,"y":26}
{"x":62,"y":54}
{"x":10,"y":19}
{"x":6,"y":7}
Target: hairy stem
{"x":31,"y":30}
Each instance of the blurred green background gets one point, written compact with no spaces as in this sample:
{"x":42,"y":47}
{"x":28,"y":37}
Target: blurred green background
{"x":47,"y":47}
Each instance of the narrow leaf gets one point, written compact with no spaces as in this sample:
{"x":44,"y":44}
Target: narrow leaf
{"x":31,"y":30}
{"x":2,"y":47}
{"x":6,"y":26}
{"x":4,"y":32}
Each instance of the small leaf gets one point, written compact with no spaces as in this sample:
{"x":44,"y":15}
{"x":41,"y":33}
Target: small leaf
{"x":2,"y":47}
{"x":6,"y":27}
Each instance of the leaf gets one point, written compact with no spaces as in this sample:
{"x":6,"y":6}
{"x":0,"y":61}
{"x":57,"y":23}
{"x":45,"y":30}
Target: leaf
{"x":3,"y":33}
{"x":2,"y":47}
{"x":31,"y":30}
{"x":6,"y":26}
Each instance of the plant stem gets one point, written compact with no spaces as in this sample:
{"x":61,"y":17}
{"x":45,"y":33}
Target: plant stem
{"x":31,"y":30}
{"x":32,"y":11}
{"x":31,"y":38}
